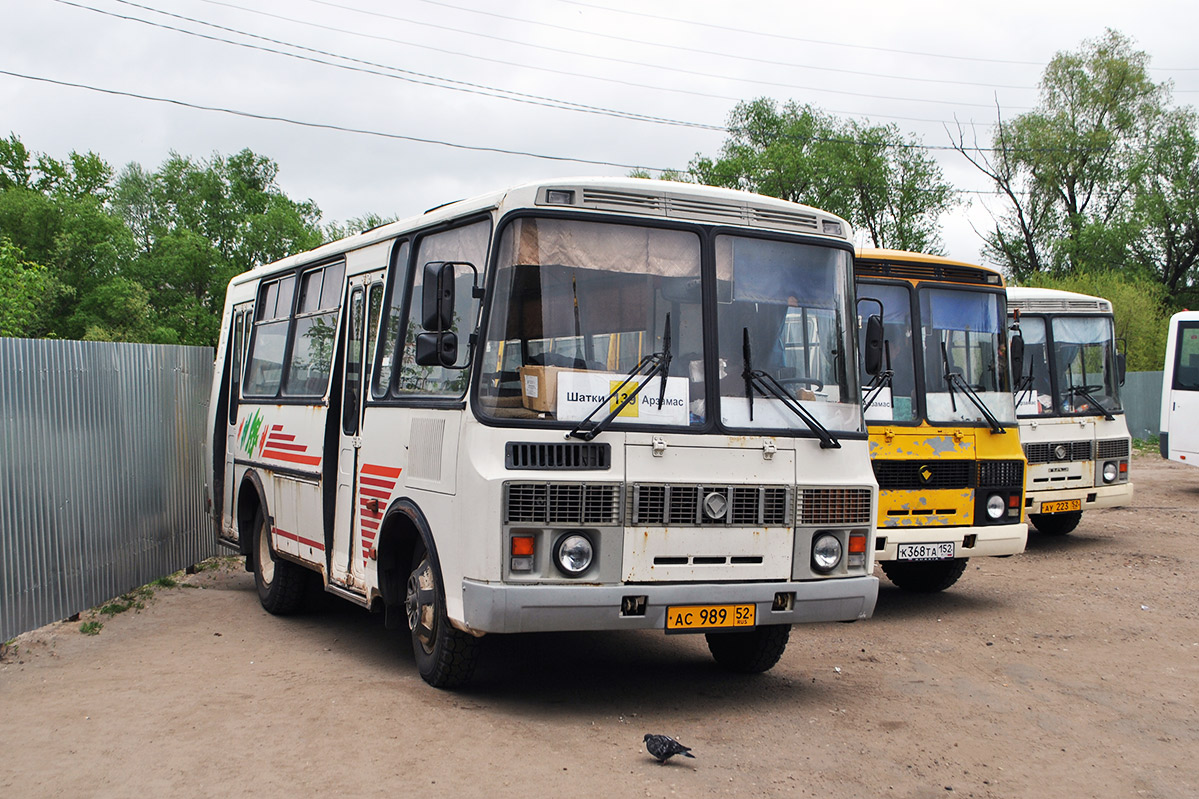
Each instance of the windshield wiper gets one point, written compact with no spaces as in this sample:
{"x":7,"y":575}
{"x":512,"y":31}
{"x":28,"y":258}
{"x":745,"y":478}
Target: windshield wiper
{"x":657,"y":363}
{"x":952,"y":379}
{"x":768,"y":386}
{"x":1085,"y":391}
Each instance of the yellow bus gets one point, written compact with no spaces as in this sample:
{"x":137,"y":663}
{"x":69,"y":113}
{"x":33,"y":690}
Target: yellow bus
{"x":944,"y":441}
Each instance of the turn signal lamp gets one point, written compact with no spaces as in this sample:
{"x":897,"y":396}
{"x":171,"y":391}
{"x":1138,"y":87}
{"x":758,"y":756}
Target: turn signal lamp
{"x":522,"y":553}
{"x":857,"y":550}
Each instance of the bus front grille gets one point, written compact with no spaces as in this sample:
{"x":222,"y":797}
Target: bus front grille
{"x":1056,"y":452}
{"x":819,"y":506}
{"x":675,"y":505}
{"x":917,"y":474}
{"x":562,"y":503}
{"x":1113,"y":448}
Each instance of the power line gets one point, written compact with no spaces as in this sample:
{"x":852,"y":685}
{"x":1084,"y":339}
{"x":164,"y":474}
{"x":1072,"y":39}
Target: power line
{"x":626,"y":62}
{"x":337,"y":128}
{"x":783,"y":37}
{"x":674,"y":47}
{"x":413,"y":77}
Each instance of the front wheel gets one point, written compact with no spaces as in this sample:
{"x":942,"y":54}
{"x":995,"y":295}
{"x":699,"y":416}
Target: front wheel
{"x":280,"y":582}
{"x":750,"y":651}
{"x":924,"y":577}
{"x":445,"y":655}
{"x":1055,"y":523}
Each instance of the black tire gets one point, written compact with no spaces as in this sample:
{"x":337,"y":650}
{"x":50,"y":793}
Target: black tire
{"x":1055,"y":523}
{"x":281,"y":583}
{"x":445,"y":656}
{"x":750,"y":651}
{"x":924,"y":577}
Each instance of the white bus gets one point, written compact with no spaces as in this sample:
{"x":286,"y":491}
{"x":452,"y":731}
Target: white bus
{"x":592,"y":404}
{"x":1072,"y":424}
{"x":1179,"y":439}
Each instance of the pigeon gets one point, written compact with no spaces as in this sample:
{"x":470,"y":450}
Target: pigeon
{"x":663,"y":747}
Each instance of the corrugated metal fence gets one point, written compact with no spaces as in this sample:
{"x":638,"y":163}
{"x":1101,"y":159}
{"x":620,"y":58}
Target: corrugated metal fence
{"x":1141,"y":396}
{"x":102,"y":473}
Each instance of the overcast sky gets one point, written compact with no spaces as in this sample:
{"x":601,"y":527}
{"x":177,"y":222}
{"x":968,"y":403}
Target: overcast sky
{"x":613,"y":84}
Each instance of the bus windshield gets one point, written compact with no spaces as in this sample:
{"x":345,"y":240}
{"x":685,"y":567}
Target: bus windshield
{"x":965,"y":346}
{"x":579,"y":306}
{"x":960,"y":333}
{"x":1076,"y":375}
{"x":790,"y":302}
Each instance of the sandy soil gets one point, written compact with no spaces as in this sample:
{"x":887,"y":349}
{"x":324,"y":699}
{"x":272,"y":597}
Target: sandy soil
{"x":1069,"y":671}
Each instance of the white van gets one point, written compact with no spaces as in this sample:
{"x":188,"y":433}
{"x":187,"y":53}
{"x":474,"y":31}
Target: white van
{"x":1180,"y":390}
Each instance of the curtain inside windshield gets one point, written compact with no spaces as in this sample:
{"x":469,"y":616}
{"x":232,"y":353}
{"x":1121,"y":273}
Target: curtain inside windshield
{"x":577,"y":306}
{"x":1084,"y":358}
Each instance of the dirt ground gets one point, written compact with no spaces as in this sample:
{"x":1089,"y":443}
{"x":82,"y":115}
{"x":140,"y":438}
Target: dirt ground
{"x":1069,"y":671}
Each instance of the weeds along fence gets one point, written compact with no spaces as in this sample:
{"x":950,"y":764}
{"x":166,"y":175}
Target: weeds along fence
{"x":102,"y":473}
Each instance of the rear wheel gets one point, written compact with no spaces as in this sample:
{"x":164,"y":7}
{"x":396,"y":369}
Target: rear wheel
{"x":280,"y":583}
{"x":750,"y":651}
{"x":924,"y":577}
{"x":1055,"y":523}
{"x":445,"y":655}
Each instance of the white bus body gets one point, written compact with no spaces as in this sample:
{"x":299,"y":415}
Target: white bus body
{"x":1179,"y":438}
{"x":403,"y":415}
{"x":1072,"y":424}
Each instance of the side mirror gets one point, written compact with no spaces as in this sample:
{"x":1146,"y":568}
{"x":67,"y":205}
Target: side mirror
{"x":1016,"y":348}
{"x":872,"y":352}
{"x":1121,"y":367}
{"x":436,"y":349}
{"x":437,"y":300}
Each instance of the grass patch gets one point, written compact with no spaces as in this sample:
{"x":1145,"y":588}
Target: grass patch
{"x":165,"y":582}
{"x":91,"y":627}
{"x":1149,"y":445}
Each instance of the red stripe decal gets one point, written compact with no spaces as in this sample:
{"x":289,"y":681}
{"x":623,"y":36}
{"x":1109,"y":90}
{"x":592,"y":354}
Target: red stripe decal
{"x":299,"y":539}
{"x":307,"y":460}
{"x":381,"y":471}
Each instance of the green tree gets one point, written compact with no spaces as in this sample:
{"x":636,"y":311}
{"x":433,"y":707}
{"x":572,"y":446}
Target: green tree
{"x":1167,"y":209}
{"x":197,"y":224}
{"x":882,"y":182}
{"x":27,"y":292}
{"x":334,"y":231}
{"x":1069,"y":171}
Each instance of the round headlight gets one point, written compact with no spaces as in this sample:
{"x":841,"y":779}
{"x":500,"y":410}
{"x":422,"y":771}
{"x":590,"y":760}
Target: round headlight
{"x":996,"y":507}
{"x":826,"y":552}
{"x":574,"y":554}
{"x":1109,"y":472}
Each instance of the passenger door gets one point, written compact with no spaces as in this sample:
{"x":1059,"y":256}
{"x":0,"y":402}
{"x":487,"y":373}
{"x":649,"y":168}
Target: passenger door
{"x":1184,"y":395}
{"x":237,"y":349}
{"x":362,"y":322}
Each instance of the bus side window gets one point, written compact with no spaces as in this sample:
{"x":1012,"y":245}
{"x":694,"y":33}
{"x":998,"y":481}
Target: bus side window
{"x":352,"y":398}
{"x":238,"y":336}
{"x":391,"y":322}
{"x":463,"y":244}
{"x":1186,"y":361}
{"x":272,"y":317}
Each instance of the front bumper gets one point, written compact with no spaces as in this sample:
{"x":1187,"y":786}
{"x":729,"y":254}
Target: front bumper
{"x":505,"y":608}
{"x":994,"y":540}
{"x":1112,"y":496}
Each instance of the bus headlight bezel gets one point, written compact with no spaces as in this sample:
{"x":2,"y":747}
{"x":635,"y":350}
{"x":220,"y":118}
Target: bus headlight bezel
{"x":574,"y":553}
{"x":827,"y":552}
{"x":996,"y":507}
{"x":1110,"y":472}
